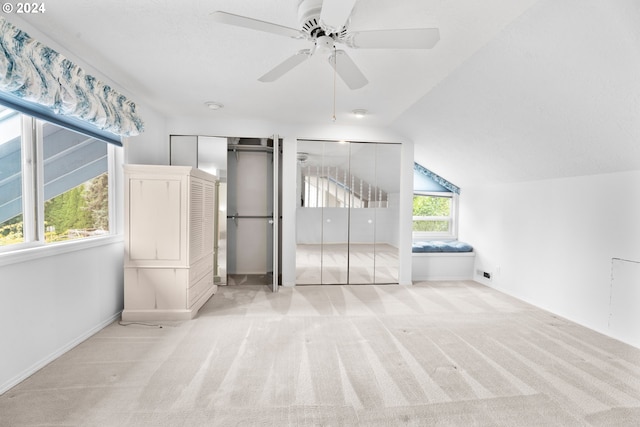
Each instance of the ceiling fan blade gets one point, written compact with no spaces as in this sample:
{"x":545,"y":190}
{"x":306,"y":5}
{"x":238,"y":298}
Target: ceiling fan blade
{"x":255,"y":24}
{"x":335,"y":13}
{"x":286,"y":66}
{"x":418,"y":38}
{"x":347,"y":70}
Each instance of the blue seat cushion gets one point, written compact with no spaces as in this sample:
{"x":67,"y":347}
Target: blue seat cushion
{"x":440,"y":246}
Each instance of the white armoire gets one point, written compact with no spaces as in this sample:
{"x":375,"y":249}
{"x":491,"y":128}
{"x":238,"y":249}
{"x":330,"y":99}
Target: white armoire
{"x":169,"y":242}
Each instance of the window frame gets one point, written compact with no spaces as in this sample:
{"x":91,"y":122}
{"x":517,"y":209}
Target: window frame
{"x":452,"y":234}
{"x":34,"y":245}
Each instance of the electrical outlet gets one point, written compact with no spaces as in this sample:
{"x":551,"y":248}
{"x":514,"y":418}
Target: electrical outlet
{"x":486,"y":275}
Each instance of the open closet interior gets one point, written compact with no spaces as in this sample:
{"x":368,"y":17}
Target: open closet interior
{"x":247,"y":235}
{"x":347,"y":215}
{"x":251,"y":218}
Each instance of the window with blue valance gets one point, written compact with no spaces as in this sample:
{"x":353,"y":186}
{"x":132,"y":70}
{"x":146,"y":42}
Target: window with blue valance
{"x":38,"y":81}
{"x":426,"y":181}
{"x":435,"y":203}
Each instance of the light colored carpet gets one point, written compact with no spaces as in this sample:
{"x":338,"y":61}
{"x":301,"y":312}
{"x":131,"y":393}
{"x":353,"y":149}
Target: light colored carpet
{"x":445,"y":353}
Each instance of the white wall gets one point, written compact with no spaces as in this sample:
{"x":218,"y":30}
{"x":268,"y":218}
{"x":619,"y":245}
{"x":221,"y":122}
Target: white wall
{"x":152,"y":146}
{"x":552,"y":243}
{"x":48,"y":305}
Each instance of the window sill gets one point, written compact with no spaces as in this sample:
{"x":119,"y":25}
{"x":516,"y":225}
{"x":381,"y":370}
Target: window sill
{"x":52,"y":249}
{"x":422,"y":237}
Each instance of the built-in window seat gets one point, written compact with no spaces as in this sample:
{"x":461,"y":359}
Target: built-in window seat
{"x":442,"y":260}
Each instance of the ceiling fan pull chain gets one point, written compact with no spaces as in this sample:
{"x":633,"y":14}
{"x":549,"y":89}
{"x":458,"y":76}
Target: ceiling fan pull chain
{"x":335,"y":68}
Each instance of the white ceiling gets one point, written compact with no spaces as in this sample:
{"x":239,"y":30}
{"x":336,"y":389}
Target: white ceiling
{"x":515,"y":89}
{"x":172,"y":55}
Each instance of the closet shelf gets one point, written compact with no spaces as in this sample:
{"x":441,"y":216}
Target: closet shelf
{"x":250,"y":148}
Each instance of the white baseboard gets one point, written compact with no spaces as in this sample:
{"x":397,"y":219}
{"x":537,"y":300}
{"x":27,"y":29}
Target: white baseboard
{"x":53,"y":356}
{"x":441,"y":278}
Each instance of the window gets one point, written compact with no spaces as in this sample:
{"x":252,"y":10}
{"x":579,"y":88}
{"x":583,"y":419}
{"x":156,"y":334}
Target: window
{"x":54,"y":183}
{"x":434,"y":215}
{"x":11,"y":211}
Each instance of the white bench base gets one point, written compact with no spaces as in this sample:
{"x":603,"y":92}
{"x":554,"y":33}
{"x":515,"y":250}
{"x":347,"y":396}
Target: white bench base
{"x":442,"y":266}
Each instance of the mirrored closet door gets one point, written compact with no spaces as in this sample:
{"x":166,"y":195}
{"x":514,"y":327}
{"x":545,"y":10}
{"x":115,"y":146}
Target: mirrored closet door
{"x":347,"y":215}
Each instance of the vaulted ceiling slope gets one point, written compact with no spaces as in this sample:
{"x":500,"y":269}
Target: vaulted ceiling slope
{"x":556,"y":94}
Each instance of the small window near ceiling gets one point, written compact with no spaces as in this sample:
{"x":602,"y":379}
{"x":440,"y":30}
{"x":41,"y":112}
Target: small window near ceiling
{"x":76,"y":190}
{"x":11,"y":201}
{"x":433,"y":216}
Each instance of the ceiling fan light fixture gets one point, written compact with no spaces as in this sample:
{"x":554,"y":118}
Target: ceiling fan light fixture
{"x":324,"y":44}
{"x":360,"y":112}
{"x":213,"y":105}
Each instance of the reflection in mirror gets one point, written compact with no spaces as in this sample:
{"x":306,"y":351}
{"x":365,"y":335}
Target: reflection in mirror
{"x":362,"y":223}
{"x":321,"y":215}
{"x":347,"y":214}
{"x":335,"y":213}
{"x":212,"y":158}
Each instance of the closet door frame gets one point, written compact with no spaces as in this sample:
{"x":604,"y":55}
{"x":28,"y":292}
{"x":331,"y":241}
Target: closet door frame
{"x":276,"y":213}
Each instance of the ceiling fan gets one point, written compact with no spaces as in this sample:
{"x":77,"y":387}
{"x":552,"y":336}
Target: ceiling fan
{"x":325,"y":23}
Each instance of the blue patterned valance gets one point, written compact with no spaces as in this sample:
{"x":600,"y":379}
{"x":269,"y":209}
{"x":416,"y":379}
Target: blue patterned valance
{"x":36,"y":73}
{"x":436,"y":178}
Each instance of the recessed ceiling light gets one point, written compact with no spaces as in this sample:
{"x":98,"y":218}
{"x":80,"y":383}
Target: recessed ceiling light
{"x":213,"y":105}
{"x":359,"y":112}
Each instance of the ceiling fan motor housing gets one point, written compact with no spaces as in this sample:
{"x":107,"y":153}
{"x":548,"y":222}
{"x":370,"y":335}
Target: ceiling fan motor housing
{"x":309,"y":14}
{"x":309,"y":18}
